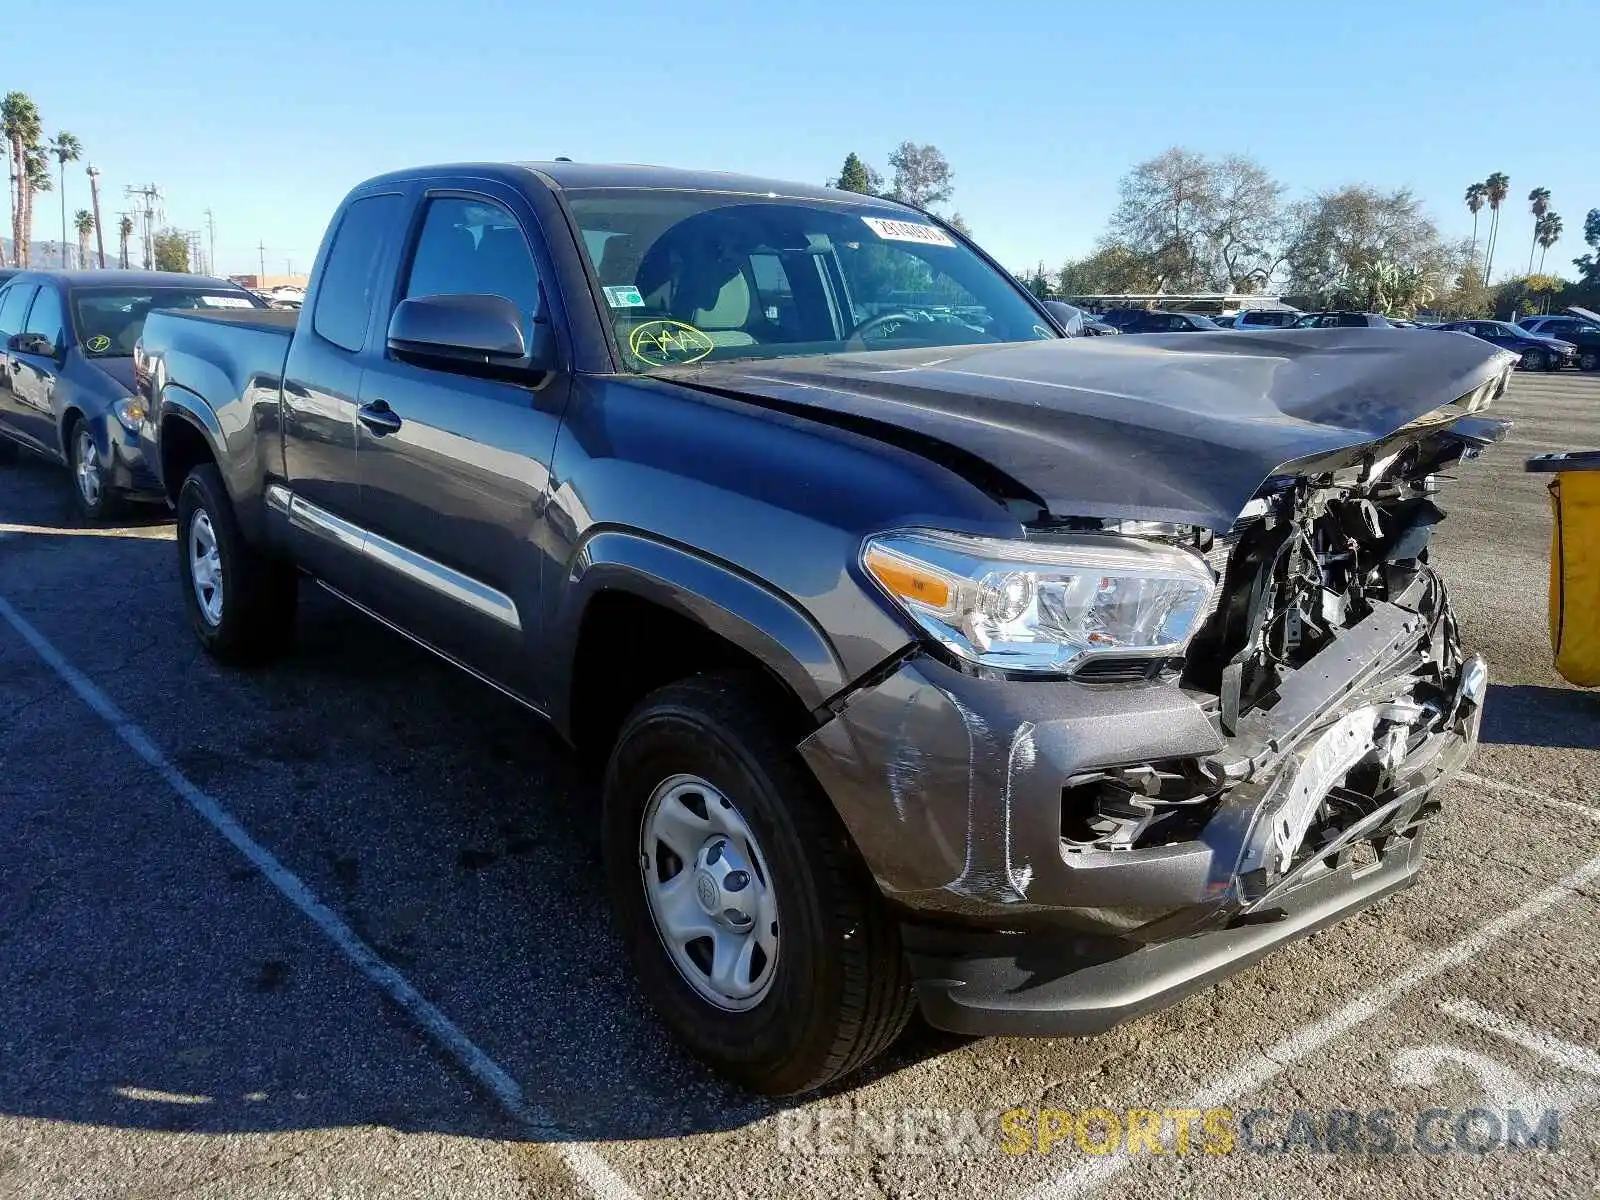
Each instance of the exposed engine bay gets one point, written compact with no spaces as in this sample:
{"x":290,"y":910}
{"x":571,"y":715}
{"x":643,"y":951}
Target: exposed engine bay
{"x":1331,"y":664}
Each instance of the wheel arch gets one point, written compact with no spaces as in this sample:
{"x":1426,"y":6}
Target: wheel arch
{"x":641,"y":612}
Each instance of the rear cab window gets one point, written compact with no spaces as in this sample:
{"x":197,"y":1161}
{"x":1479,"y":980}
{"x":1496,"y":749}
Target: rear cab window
{"x":347,"y":288}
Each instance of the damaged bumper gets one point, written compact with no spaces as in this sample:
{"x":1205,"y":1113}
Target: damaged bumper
{"x":967,"y":797}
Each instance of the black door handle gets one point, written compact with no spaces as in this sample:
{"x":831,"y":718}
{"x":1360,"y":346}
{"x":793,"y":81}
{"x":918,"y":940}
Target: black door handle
{"x":378,"y":417}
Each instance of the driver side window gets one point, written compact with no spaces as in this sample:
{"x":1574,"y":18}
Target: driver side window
{"x":46,"y":319}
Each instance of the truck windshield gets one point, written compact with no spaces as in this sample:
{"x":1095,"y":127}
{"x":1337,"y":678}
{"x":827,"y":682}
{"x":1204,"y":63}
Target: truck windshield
{"x":687,"y":275}
{"x":109,"y":320}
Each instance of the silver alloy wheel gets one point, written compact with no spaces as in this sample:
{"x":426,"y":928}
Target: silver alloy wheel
{"x":1533,"y":360}
{"x":205,"y":567}
{"x":1589,"y":360}
{"x":709,"y":892}
{"x":86,"y":466}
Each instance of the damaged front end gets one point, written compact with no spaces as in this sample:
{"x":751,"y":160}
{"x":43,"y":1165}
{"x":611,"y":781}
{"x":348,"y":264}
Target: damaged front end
{"x":1158,"y":823}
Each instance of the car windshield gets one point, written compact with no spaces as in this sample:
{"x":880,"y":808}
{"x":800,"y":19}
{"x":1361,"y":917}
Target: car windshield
{"x":109,"y":320}
{"x":687,"y":276}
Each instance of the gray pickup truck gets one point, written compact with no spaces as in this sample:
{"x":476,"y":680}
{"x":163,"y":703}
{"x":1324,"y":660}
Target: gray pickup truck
{"x":936,"y":659}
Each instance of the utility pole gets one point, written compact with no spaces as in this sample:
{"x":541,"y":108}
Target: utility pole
{"x":261,"y":279}
{"x":94,"y":197}
{"x":149,"y":193}
{"x":211,"y":233}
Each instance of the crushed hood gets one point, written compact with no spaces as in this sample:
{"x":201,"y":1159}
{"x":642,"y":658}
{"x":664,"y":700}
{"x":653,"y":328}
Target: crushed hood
{"x":1166,"y":427}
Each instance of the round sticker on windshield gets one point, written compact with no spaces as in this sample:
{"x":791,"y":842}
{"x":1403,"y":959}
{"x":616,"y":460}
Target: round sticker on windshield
{"x":99,"y":343}
{"x":669,"y":343}
{"x":1043,"y":332}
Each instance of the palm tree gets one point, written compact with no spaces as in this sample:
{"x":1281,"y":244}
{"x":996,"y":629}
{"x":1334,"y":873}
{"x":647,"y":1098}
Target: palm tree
{"x":1495,"y":189}
{"x":1476,"y":194}
{"x":1539,"y":202}
{"x":20,"y":128}
{"x":1547,"y":233}
{"x":83,"y":222}
{"x":125,"y":231}
{"x":66,"y":148}
{"x":36,"y":171}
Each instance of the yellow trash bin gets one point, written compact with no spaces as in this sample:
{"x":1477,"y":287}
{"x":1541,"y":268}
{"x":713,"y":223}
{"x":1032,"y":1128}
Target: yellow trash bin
{"x":1574,"y":562}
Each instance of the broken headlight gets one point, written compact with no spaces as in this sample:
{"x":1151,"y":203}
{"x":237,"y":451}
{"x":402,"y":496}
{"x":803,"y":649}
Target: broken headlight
{"x":1043,"y":606}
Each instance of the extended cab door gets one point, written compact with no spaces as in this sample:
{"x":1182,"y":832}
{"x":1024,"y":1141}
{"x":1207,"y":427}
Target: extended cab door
{"x":322,"y":386}
{"x":455,"y":463}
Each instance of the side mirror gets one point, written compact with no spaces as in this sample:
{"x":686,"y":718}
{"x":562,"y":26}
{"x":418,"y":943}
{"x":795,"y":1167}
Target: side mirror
{"x":31,"y":343}
{"x":467,"y":329}
{"x":1069,"y":318}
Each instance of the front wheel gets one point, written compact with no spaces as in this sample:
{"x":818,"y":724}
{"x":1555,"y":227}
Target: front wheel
{"x":241,"y":602}
{"x":96,"y":501}
{"x":1533,"y":360}
{"x":755,"y":929}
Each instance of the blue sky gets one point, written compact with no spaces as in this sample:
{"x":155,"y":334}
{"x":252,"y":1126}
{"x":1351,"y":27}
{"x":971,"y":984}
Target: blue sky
{"x":268,"y":113}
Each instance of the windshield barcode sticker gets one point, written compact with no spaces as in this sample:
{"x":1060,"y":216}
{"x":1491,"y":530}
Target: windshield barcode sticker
{"x":908,"y":231}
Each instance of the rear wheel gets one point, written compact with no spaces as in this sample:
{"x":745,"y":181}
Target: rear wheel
{"x":1533,"y":360}
{"x":241,"y":602}
{"x":1589,"y":360}
{"x":96,"y":499}
{"x":754,"y":928}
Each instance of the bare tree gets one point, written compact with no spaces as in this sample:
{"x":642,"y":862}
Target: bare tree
{"x":922,"y":177}
{"x":1168,"y":203}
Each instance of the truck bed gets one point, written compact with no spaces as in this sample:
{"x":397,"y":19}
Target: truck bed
{"x":221,"y":354}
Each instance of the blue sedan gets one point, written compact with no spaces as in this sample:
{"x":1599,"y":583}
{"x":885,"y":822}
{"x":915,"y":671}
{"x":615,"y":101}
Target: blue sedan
{"x":1537,"y":353}
{"x":66,"y":371}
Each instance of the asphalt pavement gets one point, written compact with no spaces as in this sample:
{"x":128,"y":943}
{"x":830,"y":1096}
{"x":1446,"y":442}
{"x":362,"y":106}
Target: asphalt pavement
{"x":337,"y":928}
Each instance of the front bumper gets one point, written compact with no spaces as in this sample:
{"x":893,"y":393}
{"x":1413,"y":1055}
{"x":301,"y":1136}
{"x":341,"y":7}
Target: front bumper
{"x":953,"y":788}
{"x":123,"y":464}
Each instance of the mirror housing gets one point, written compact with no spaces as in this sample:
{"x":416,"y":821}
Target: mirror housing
{"x":1067,"y":316}
{"x":32,"y":343}
{"x":476,"y":329}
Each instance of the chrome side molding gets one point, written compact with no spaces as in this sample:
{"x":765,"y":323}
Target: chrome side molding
{"x":419,"y":568}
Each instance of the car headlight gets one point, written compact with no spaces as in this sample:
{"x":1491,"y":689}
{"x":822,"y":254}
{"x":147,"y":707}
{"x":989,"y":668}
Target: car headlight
{"x":1044,"y":607}
{"x":129,"y":412}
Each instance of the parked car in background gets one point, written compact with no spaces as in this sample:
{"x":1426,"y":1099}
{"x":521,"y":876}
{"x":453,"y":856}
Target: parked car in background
{"x":1342,"y":319}
{"x":1580,"y":326}
{"x":1225,"y":321}
{"x":1155,"y":320}
{"x":66,"y":371}
{"x":1266,"y":318}
{"x":1534,"y":352}
{"x":938,"y":660}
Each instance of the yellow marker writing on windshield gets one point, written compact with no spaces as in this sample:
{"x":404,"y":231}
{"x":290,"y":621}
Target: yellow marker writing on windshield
{"x":99,"y":343}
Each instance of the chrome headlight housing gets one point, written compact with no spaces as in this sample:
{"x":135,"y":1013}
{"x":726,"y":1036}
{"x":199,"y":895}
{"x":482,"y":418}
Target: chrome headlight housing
{"x":1043,"y":606}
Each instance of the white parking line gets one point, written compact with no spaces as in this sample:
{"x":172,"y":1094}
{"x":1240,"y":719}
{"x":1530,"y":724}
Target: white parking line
{"x":1088,"y":1175}
{"x":1578,"y":1059}
{"x":580,"y":1158}
{"x":1511,"y":789}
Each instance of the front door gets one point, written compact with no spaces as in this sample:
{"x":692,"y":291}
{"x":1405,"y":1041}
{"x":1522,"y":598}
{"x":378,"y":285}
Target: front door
{"x":454,"y":467}
{"x":14,"y":303}
{"x":36,"y":367}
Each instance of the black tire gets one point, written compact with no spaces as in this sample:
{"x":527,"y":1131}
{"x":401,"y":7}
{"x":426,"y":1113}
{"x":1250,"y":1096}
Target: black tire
{"x":1533,"y":360}
{"x":258,"y":592}
{"x":103,"y":503}
{"x":1589,"y":360}
{"x":841,"y":991}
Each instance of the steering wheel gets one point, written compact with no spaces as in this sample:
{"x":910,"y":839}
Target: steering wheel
{"x":858,"y":335}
